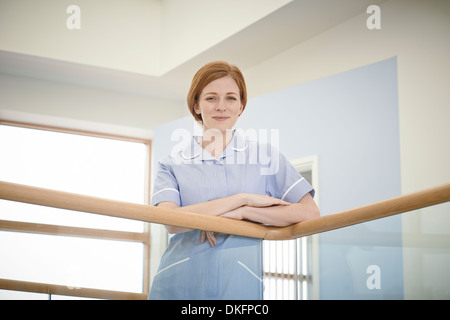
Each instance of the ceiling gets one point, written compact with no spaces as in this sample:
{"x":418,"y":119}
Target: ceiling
{"x":286,"y":27}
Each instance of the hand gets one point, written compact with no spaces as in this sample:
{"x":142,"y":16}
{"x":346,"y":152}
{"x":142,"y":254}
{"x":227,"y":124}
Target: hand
{"x":210,"y":236}
{"x":236,"y":214}
{"x":259,"y":200}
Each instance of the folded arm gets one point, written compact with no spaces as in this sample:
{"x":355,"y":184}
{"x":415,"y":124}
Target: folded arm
{"x":281,"y":216}
{"x":221,"y":206}
{"x":257,"y":208}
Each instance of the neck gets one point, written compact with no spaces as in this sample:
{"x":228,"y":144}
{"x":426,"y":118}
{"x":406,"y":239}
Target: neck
{"x":215,"y":141}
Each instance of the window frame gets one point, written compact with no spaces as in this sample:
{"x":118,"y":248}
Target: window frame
{"x":58,"y":230}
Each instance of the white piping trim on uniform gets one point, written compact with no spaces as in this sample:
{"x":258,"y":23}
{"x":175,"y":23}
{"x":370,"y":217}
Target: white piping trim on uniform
{"x":172,"y":265}
{"x":248,"y":269}
{"x":240,"y":149}
{"x":166,"y":189}
{"x":290,"y":188}
{"x":188,"y":158}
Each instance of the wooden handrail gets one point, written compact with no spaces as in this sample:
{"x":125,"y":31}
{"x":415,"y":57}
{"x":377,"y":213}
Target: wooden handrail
{"x":40,"y":228}
{"x":373,"y":211}
{"x":45,"y":288}
{"x":76,"y":202}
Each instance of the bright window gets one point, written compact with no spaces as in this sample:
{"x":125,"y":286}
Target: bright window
{"x":80,"y":163}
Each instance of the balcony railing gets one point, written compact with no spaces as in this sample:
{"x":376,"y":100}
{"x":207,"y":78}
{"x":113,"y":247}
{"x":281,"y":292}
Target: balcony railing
{"x":76,"y":202}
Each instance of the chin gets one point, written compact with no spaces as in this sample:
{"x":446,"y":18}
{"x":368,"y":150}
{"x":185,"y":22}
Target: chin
{"x":222,"y":128}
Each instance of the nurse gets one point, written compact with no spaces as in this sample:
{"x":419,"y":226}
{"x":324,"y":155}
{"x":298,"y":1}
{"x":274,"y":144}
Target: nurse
{"x":222,"y":173}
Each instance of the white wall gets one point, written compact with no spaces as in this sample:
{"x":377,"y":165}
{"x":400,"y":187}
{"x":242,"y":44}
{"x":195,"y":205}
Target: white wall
{"x":57,"y":104}
{"x":191,"y":27}
{"x":147,"y":37}
{"x":107,"y":37}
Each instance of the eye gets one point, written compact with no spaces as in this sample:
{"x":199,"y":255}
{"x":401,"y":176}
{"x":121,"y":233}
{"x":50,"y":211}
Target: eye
{"x":232,"y":98}
{"x":210,"y":98}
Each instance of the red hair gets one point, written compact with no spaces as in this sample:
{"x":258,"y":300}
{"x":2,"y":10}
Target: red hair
{"x":210,"y":72}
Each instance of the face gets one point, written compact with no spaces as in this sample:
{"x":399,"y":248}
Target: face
{"x":219,"y":104}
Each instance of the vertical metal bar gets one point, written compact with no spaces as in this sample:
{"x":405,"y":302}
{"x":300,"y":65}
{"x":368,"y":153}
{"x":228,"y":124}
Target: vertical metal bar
{"x":275,"y":249}
{"x":282,"y":267}
{"x":309,"y":266}
{"x":147,"y":243}
{"x":266,"y":261}
{"x":296,"y":270}
{"x":300,"y":263}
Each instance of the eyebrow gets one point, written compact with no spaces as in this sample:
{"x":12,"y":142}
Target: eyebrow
{"x":226,"y":93}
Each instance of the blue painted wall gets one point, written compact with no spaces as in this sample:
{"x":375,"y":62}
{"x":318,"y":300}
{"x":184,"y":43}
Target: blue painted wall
{"x":350,"y":120}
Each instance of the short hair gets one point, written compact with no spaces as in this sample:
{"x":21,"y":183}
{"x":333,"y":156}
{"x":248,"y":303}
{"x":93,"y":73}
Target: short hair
{"x":210,"y":72}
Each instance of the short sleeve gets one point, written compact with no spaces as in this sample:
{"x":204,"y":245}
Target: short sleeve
{"x":165,"y":184}
{"x":285,"y":182}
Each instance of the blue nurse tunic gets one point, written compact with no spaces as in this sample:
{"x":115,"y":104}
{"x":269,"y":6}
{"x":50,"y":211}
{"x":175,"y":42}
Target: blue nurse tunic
{"x":232,"y":269}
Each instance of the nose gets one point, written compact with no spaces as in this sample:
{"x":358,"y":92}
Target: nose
{"x":221,"y":105}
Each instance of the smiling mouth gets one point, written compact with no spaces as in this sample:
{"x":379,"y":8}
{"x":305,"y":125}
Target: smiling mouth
{"x":220,"y":118}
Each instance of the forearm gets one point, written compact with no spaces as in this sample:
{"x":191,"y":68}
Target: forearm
{"x":222,"y":206}
{"x":214,"y":207}
{"x":305,"y":209}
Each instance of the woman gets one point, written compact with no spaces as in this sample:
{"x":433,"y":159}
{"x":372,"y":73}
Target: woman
{"x":217,"y":174}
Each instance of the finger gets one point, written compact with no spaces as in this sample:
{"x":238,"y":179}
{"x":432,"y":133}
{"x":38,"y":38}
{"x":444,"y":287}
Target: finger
{"x":276,"y":201}
{"x":212,"y":240}
{"x":284,"y":203}
{"x":203,"y":238}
